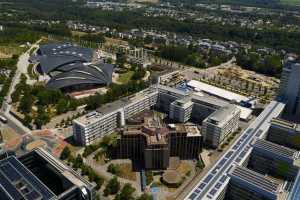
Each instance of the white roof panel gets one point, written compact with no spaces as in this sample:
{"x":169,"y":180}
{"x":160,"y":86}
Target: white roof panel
{"x":230,"y":96}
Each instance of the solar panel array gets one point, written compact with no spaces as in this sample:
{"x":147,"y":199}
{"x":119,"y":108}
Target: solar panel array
{"x":17,"y":182}
{"x":217,"y":177}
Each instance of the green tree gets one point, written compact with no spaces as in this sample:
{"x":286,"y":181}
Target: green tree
{"x":26,"y":103}
{"x":42,"y":117}
{"x":126,"y":193}
{"x":114,"y":169}
{"x":62,"y":106}
{"x":78,"y":162}
{"x":145,"y":196}
{"x":112,"y":187}
{"x":65,"y":153}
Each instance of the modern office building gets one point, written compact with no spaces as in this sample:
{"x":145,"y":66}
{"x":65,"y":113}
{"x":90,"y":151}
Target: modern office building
{"x":38,"y":175}
{"x":246,"y":184}
{"x":273,"y":159}
{"x":181,"y":110}
{"x":220,"y":124}
{"x":289,"y":89}
{"x":284,"y":133}
{"x":214,"y":185}
{"x":180,"y":106}
{"x":107,"y":118}
{"x":152,"y":143}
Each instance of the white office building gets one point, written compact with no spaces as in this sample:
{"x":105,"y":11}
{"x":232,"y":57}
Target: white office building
{"x":220,"y":124}
{"x":181,"y":110}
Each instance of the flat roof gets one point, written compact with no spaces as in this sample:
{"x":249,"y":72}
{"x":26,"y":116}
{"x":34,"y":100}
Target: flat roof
{"x":216,"y":179}
{"x":17,"y":182}
{"x":276,"y":149}
{"x":285,"y":124}
{"x":252,"y":179}
{"x":108,"y":108}
{"x":245,"y":112}
{"x":222,"y":115}
{"x":208,"y":100}
{"x":230,"y":96}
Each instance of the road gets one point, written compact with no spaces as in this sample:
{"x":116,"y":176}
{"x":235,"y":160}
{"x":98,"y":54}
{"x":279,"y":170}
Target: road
{"x":22,"y":66}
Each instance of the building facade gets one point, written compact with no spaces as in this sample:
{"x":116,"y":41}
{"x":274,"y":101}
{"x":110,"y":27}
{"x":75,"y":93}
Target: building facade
{"x":284,"y":133}
{"x":179,"y":105}
{"x":108,"y":118}
{"x":289,"y":89}
{"x":152,"y":144}
{"x":275,"y":160}
{"x":220,"y":124}
{"x":246,"y":184}
{"x":39,"y":175}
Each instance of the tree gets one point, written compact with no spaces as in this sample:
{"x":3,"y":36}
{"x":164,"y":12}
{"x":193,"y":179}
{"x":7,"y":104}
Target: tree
{"x":42,"y":117}
{"x":62,"y":106}
{"x":65,"y":153}
{"x":126,"y":193}
{"x":112,"y":187}
{"x":27,"y":120}
{"x":78,"y":162}
{"x":26,"y":104}
{"x":145,"y":196}
{"x":114,"y":169}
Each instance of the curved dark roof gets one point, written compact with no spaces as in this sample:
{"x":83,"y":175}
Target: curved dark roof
{"x":99,"y":74}
{"x":65,"y":48}
{"x":70,"y":65}
{"x":51,"y":63}
{"x":53,"y":56}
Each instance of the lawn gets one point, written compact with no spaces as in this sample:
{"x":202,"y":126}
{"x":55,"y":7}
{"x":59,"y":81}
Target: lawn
{"x":125,"y":77}
{"x":291,"y":2}
{"x":9,"y":134}
{"x":8,"y":51}
{"x":126,"y":172}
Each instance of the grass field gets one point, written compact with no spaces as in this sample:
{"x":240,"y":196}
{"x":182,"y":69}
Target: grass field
{"x":125,"y":78}
{"x":291,"y":2}
{"x":8,"y":51}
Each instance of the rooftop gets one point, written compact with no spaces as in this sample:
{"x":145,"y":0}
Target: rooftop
{"x":285,"y":124}
{"x":108,"y":108}
{"x":276,"y":150}
{"x":183,"y":102}
{"x":17,"y":182}
{"x":219,"y":92}
{"x":222,"y":115}
{"x":249,"y":178}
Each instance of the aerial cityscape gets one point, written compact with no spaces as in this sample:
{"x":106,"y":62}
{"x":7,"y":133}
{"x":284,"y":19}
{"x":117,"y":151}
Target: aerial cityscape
{"x":150,"y":100}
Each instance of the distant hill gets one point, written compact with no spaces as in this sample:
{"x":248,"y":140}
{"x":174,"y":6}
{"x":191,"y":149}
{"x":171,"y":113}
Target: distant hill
{"x":290,"y":4}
